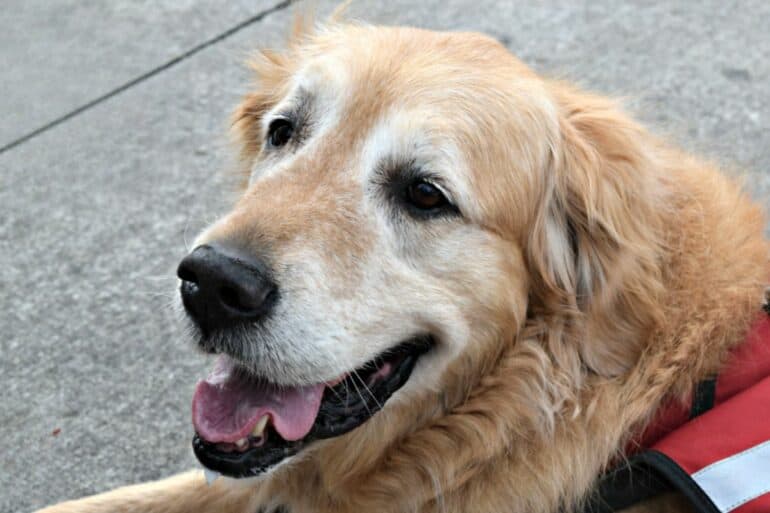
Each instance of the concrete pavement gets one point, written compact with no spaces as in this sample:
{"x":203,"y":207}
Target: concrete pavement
{"x":96,"y":212}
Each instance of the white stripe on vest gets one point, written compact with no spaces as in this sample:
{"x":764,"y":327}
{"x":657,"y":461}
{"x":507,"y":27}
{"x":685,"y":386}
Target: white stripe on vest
{"x":738,"y":479}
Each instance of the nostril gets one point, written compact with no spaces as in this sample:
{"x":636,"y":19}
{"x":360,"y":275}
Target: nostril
{"x":186,"y":274}
{"x":230,"y":298}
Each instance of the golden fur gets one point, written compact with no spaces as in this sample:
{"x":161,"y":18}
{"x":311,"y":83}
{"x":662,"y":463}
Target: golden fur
{"x":629,"y":270}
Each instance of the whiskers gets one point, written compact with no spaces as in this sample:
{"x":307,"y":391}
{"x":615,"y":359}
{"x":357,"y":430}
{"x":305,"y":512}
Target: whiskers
{"x":354,"y":378}
{"x":355,"y":375}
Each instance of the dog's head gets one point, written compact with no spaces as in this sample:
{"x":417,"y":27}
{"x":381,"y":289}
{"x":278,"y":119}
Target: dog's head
{"x":413,"y":203}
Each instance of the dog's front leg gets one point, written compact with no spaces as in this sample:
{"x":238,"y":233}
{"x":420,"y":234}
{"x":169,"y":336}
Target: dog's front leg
{"x":184,"y":493}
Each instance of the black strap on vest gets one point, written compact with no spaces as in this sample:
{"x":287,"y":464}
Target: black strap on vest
{"x":644,"y":476}
{"x":704,"y":396}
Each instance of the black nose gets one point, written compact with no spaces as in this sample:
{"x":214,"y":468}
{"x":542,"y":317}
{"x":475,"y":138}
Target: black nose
{"x":221,"y":288}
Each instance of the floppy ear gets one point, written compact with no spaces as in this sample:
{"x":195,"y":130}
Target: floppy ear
{"x":594,"y":246}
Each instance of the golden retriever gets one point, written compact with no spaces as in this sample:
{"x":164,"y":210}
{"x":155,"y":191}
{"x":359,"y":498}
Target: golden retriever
{"x":516,"y":273}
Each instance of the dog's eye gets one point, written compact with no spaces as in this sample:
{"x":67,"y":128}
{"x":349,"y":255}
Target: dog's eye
{"x":279,"y":132}
{"x":425,"y":196}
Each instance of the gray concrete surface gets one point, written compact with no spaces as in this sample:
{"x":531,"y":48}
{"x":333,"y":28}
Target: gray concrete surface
{"x":67,"y":52}
{"x":95,"y":213}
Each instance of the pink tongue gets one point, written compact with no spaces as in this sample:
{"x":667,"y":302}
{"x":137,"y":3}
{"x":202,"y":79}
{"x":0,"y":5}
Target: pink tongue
{"x":226,"y":407}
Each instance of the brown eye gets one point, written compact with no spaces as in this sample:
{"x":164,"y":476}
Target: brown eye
{"x":425,"y":196}
{"x":280,"y":131}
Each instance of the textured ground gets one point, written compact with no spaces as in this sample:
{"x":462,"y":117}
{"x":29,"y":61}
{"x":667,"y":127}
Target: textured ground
{"x":95,"y":212}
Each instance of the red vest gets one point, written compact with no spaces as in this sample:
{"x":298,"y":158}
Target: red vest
{"x":716,"y":452}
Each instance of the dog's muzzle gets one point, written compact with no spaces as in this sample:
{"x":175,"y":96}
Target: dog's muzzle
{"x":244,"y":423}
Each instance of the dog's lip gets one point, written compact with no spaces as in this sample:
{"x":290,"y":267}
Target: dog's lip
{"x":342,"y":409}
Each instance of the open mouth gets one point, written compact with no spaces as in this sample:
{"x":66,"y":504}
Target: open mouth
{"x":245,"y":425}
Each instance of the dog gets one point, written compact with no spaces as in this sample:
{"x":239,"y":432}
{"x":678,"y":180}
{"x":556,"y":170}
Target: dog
{"x":448,"y":284}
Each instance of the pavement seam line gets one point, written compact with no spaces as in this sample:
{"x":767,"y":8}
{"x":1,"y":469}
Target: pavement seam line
{"x":147,"y":75}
